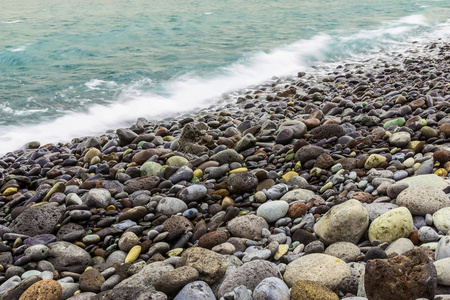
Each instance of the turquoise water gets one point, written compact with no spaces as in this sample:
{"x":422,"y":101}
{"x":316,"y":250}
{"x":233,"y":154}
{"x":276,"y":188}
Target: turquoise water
{"x":77,"y":68}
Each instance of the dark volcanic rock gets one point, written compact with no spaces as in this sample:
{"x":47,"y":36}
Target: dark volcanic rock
{"x":37,"y":220}
{"x":408,"y":276}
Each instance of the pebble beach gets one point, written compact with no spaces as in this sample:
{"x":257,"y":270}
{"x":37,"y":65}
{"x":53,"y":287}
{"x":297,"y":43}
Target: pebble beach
{"x":327,"y":185}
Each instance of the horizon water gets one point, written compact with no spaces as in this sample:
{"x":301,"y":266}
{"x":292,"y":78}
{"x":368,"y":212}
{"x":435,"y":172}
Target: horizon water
{"x":75,"y":69}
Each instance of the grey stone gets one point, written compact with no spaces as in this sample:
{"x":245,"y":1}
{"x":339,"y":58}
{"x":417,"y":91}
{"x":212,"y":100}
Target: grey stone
{"x":197,"y":290}
{"x":271,"y":288}
{"x":99,"y":198}
{"x":65,"y":256}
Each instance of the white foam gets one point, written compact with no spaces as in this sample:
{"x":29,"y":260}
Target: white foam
{"x":12,"y":22}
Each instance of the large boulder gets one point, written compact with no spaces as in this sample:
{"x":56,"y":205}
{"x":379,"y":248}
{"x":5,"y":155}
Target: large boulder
{"x":408,"y":276}
{"x":395,"y":224}
{"x":345,"y":222}
{"x":421,"y":201}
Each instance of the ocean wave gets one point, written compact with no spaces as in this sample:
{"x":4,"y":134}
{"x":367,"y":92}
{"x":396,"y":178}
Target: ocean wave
{"x":192,"y":92}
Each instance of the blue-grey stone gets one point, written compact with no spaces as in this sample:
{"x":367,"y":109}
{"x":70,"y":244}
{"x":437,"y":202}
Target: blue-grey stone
{"x":271,"y":288}
{"x":400,"y":175}
{"x":183,"y":173}
{"x":197,"y":290}
{"x":194,"y":192}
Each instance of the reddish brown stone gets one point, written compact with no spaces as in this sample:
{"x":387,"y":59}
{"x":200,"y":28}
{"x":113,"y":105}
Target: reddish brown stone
{"x":142,"y":156}
{"x":442,"y":156}
{"x":416,"y":104}
{"x":408,"y":276}
{"x":445,"y":129}
{"x":91,"y":281}
{"x":347,"y":163}
{"x":176,"y":222}
{"x":133,"y":214}
{"x":324,"y":161}
{"x":143,"y":183}
{"x":362,"y":197}
{"x":212,"y":239}
{"x":297,"y":210}
{"x":414,"y":237}
{"x":45,"y":289}
{"x":311,"y":123}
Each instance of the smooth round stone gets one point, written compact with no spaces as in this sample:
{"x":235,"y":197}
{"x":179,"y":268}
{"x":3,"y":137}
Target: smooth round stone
{"x":399,"y":246}
{"x":197,"y":290}
{"x":248,"y":226}
{"x":441,"y":219}
{"x":100,"y":198}
{"x":171,"y":206}
{"x":150,"y":168}
{"x":427,"y":234}
{"x":273,"y":210}
{"x":298,"y":181}
{"x":373,"y":161}
{"x":276,"y":191}
{"x":133,"y":254}
{"x":190,"y":213}
{"x":391,"y":226}
{"x":44,"y":239}
{"x":400,"y":175}
{"x":422,"y":201}
{"x":443,"y":271}
{"x":399,"y":139}
{"x":259,"y":254}
{"x":182,"y":174}
{"x":321,"y":268}
{"x":46,"y":275}
{"x":30,"y":273}
{"x":176,"y":161}
{"x":271,"y":288}
{"x":91,"y":239}
{"x":37,"y":252}
{"x":425,"y":168}
{"x":346,"y":251}
{"x":9,"y":283}
{"x":194,"y":192}
{"x":117,"y":256}
{"x":297,"y":195}
{"x":409,"y":162}
{"x":127,"y":241}
{"x":427,"y":180}
{"x":443,"y":248}
{"x":345,"y":222}
{"x":73,"y":199}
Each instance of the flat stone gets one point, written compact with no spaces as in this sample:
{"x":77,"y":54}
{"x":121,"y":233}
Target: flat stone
{"x":65,"y":256}
{"x":427,"y":180}
{"x":147,"y":277}
{"x":420,"y":201}
{"x":172,"y":282}
{"x":298,"y":195}
{"x":346,"y":251}
{"x":320,"y":268}
{"x":400,"y":246}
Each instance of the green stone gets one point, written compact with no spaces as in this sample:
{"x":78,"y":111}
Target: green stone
{"x":112,"y":247}
{"x":289,"y":156}
{"x":30,"y":273}
{"x":150,"y":168}
{"x":195,"y":180}
{"x":96,"y":260}
{"x":139,"y":145}
{"x":91,"y":239}
{"x":176,"y":161}
{"x":243,"y":212}
{"x":399,"y":122}
{"x":327,"y":186}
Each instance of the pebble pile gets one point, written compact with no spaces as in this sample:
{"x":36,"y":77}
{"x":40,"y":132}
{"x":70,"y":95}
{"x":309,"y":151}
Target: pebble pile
{"x":314,"y":187}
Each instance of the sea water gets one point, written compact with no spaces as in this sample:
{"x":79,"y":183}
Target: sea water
{"x":78,"y":68}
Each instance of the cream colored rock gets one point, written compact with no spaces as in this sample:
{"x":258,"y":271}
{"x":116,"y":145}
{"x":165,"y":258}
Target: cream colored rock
{"x":346,"y":251}
{"x":321,"y":268}
{"x":421,"y":201}
{"x":298,"y":194}
{"x":441,"y":219}
{"x":345,"y":222}
{"x":395,"y":224}
{"x":443,"y":271}
{"x":426,"y":181}
{"x":400,"y":246}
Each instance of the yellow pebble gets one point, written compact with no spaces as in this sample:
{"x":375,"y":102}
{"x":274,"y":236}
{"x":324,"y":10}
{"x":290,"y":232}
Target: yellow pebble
{"x":441,"y":172}
{"x":290,"y":103}
{"x":10,"y":191}
{"x":227,"y":201}
{"x":77,"y":292}
{"x":315,"y":172}
{"x":80,"y":244}
{"x":198,"y":173}
{"x":238,"y":170}
{"x":174,"y":252}
{"x":282,"y":250}
{"x":298,"y":166}
{"x":289,"y":175}
{"x":87,"y":268}
{"x":168,"y":138}
{"x":416,"y":166}
{"x":111,"y":207}
{"x":133,"y":254}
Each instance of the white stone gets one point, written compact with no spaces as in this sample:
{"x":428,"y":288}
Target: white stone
{"x":273,"y":210}
{"x":443,"y":271}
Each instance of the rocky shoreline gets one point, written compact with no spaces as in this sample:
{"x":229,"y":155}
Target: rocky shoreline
{"x":315,"y":187}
